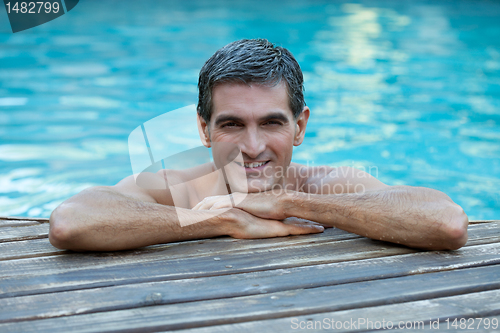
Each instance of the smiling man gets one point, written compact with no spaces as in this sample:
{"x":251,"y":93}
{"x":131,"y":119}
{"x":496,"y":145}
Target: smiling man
{"x":251,"y":99}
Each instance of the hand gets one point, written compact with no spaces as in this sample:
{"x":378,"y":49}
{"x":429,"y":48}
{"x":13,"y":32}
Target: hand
{"x":266,"y":205}
{"x":241,"y":224}
{"x":219,"y":201}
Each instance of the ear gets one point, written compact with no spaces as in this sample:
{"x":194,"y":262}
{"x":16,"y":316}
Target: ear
{"x":203,"y":131}
{"x":300,"y":127}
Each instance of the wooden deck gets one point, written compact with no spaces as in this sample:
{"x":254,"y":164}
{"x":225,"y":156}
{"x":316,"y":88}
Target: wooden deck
{"x":268,"y":285}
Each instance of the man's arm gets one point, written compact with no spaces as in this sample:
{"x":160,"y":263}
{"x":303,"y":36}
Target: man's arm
{"x":126,"y":216}
{"x":414,"y":216}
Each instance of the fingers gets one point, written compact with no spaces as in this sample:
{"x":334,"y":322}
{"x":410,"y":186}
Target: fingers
{"x":245,"y":225}
{"x":215,"y":202}
{"x":270,"y":228}
{"x":221,"y":205}
{"x":295,"y":220}
{"x":198,"y":205}
{"x":302,"y":229}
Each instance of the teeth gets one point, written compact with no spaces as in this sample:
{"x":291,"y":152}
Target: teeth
{"x":252,"y":165}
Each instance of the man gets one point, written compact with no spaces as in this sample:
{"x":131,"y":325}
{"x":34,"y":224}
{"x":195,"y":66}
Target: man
{"x":250,"y":96}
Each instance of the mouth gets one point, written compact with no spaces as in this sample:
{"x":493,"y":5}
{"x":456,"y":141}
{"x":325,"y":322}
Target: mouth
{"x":253,"y":165}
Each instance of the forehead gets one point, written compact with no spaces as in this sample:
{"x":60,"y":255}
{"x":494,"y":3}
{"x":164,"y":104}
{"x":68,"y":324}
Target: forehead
{"x":249,"y":101}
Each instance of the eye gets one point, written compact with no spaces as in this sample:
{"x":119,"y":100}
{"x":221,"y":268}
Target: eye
{"x":272,"y":122}
{"x":230,"y":124}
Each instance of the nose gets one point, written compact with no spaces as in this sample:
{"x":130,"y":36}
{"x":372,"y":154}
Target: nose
{"x":253,"y":144}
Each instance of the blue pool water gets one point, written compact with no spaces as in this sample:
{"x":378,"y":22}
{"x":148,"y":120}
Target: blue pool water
{"x":409,"y":90}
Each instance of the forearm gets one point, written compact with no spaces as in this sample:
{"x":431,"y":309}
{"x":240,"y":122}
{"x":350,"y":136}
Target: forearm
{"x":413,"y":216}
{"x":100,"y":219}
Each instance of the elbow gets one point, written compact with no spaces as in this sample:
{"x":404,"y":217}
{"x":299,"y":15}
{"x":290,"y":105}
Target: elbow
{"x":61,"y":232}
{"x":456,"y":229}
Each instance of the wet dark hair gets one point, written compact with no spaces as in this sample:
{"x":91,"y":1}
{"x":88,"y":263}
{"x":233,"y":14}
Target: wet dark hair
{"x":251,"y":61}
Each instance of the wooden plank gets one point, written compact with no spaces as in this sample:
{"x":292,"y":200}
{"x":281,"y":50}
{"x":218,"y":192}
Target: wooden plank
{"x":13,"y":218}
{"x":483,"y":230}
{"x":357,"y":296}
{"x":46,"y":220}
{"x":17,"y":250}
{"x":483,"y":221}
{"x":41,"y":247}
{"x":17,"y":223}
{"x":269,"y":281}
{"x":478,"y":234}
{"x":484,"y":233}
{"x":409,"y":313}
{"x":204,"y":248}
{"x":19,"y":233}
{"x":495,"y":225}
{"x":35,"y":229}
{"x":28,"y":249}
{"x":23,"y":274}
{"x":197,"y":267}
{"x":322,"y":243}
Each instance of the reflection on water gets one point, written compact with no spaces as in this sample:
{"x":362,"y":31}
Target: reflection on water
{"x":410,"y":89}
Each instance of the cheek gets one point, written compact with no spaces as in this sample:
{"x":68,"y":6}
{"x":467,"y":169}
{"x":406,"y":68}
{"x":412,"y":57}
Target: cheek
{"x":283,"y":137}
{"x":233,"y":137}
{"x":286,"y":131}
{"x":281,"y":145}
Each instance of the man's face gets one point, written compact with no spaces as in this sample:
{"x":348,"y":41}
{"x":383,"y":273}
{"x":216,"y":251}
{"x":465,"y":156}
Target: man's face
{"x":258,"y":121}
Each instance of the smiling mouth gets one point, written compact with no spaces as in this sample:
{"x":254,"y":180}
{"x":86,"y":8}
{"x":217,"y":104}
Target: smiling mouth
{"x":252,"y":164}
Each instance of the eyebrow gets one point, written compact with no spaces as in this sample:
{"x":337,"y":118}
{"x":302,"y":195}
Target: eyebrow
{"x":272,"y":116}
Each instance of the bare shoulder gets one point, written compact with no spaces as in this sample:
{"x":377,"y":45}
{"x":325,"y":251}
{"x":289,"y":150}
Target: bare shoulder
{"x":296,"y":176}
{"x":156,"y":186}
{"x":187,"y":184}
{"x":338,"y":180}
{"x":146,"y":186}
{"x":185,"y":175}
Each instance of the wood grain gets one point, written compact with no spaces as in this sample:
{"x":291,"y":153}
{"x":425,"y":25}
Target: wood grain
{"x":227,"y":285}
{"x":468,"y":284}
{"x":261,"y":282}
{"x":478,"y":234}
{"x":408,"y":313}
{"x":23,"y":232}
